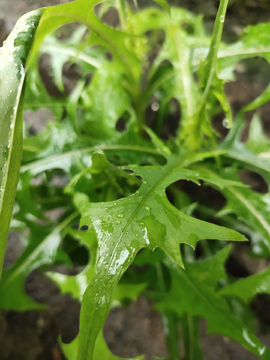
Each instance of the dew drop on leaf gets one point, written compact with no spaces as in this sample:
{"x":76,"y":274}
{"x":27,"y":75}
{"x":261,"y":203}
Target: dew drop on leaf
{"x":226,"y":123}
{"x":147,"y":208}
{"x":118,"y":221}
{"x":222,"y":18}
{"x":120,"y":215}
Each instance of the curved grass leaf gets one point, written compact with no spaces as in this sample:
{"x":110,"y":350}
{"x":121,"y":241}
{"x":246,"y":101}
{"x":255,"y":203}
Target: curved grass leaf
{"x":13,"y":58}
{"x":193,"y":292}
{"x":123,"y":227}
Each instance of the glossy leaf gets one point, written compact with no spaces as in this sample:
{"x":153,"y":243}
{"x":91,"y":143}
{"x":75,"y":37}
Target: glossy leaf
{"x":193,"y":292}
{"x":123,"y":227}
{"x":13,"y":59}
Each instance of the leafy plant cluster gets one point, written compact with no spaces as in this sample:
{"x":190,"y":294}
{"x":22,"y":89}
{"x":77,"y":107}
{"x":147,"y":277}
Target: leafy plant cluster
{"x":116,"y":176}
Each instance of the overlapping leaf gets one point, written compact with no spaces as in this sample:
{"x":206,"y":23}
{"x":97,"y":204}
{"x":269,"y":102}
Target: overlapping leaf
{"x":247,"y":288}
{"x":43,"y":249}
{"x":248,"y":154}
{"x":193,"y":292}
{"x":123,"y":227}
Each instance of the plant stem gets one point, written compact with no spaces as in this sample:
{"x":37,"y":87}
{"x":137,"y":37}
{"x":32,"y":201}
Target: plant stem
{"x":122,"y":13}
{"x":211,"y":59}
{"x":170,"y":322}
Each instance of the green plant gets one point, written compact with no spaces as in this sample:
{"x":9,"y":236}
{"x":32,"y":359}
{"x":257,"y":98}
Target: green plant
{"x":115,"y":182}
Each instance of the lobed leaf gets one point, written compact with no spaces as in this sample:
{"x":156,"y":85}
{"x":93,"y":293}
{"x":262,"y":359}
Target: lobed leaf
{"x":123,"y":227}
{"x":247,"y":288}
{"x":193,"y":292}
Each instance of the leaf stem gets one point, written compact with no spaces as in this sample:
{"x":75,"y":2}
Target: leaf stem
{"x":170,"y":321}
{"x":49,"y":159}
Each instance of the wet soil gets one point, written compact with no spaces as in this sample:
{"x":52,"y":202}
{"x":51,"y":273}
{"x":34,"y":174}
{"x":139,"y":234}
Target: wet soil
{"x":137,"y":328}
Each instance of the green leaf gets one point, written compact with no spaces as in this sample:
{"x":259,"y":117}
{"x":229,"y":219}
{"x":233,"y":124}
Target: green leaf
{"x":107,"y":100}
{"x":251,"y":207}
{"x":193,"y":292}
{"x":13,"y":59}
{"x":257,"y":141}
{"x":247,"y":288}
{"x":83,"y":11}
{"x":43,"y":249}
{"x":239,"y":151}
{"x":123,"y":227}
{"x":101,"y":350}
{"x":164,"y":4}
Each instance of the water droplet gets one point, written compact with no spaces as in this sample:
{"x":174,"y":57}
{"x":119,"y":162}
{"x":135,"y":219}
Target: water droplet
{"x":155,"y":106}
{"x":118,"y":222}
{"x":147,"y":208}
{"x":120,"y":215}
{"x":137,"y":234}
{"x":222,"y":18}
{"x":226,"y":123}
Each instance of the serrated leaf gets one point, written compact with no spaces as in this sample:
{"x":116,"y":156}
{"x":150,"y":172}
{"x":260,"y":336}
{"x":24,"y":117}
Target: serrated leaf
{"x":251,"y":207}
{"x":247,"y":288}
{"x":13,"y":59}
{"x":193,"y":292}
{"x":123,"y":227}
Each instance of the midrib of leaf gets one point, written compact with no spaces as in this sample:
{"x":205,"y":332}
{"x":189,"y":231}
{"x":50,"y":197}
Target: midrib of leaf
{"x":37,"y":250}
{"x":7,"y":165}
{"x":237,"y":154}
{"x":205,"y":298}
{"x":250,"y":208}
{"x":244,"y":52}
{"x":88,"y":149}
{"x":186,"y":79}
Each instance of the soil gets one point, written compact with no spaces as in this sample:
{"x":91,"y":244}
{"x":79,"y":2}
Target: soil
{"x":137,"y":328}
